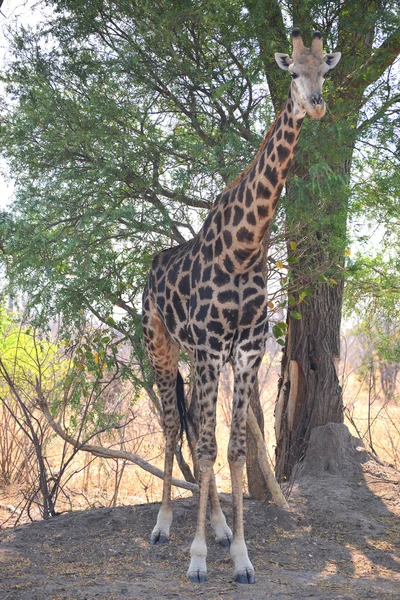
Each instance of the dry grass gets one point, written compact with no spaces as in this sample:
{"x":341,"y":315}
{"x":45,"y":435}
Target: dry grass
{"x":377,"y":423}
{"x":93,"y":482}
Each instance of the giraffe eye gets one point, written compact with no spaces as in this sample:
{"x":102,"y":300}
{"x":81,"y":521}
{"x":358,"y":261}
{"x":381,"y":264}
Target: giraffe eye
{"x":294,"y":75}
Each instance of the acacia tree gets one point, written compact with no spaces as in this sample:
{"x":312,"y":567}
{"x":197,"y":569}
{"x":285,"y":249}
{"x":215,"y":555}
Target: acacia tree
{"x":126,"y":119}
{"x":362,"y":96}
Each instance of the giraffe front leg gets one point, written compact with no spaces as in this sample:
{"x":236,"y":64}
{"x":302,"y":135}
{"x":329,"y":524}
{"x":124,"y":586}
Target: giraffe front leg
{"x":207,"y":377}
{"x":197,"y":571}
{"x":244,"y":570}
{"x":245,"y":373}
{"x":223,"y":533}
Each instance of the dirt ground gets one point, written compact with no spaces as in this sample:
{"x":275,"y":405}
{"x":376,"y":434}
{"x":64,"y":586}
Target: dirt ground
{"x":339,"y":540}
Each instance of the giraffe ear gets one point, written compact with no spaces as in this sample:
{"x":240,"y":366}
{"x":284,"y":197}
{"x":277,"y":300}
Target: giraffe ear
{"x":283,"y":60}
{"x":332,"y":59}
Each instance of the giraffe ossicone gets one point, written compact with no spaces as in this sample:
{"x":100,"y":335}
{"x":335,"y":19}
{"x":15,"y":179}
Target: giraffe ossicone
{"x":208,"y":297}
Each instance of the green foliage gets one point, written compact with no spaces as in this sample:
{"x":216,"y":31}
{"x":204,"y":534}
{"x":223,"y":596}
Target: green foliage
{"x":73,"y":375}
{"x":123,"y":124}
{"x":372,"y":295}
{"x":27,"y":355}
{"x":279,"y":331}
{"x":373,"y":299}
{"x":123,"y":120}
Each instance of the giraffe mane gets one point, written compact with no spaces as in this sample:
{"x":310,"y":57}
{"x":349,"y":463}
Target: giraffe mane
{"x":239,"y":178}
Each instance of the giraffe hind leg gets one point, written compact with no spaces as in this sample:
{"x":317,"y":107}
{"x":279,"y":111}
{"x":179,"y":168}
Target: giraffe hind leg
{"x":223,"y":533}
{"x":207,"y":377}
{"x":163,"y":354}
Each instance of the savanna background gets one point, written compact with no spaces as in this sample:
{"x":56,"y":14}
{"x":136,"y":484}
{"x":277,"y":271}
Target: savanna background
{"x":82,"y":481}
{"x":120,"y":123}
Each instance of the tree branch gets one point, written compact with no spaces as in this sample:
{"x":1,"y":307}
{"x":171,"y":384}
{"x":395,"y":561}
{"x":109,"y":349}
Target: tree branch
{"x":103,"y":452}
{"x":131,"y":311}
{"x":376,"y":64}
{"x":277,"y":496}
{"x":184,"y":199}
{"x":267,"y":17}
{"x":378,"y":115}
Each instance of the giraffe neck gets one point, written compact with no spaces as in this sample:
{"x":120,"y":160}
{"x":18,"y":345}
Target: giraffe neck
{"x":246,"y":207}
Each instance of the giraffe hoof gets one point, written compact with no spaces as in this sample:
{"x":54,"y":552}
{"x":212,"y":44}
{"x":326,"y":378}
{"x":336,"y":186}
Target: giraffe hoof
{"x":225,"y":542}
{"x":197,"y":576}
{"x":158,"y":538}
{"x":245,"y":577}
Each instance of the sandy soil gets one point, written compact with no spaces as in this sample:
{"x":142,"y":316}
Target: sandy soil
{"x":340,"y":540}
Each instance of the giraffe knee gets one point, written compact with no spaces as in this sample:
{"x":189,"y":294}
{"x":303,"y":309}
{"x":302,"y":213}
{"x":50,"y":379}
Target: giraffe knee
{"x":206,"y":451}
{"x":237,"y":450}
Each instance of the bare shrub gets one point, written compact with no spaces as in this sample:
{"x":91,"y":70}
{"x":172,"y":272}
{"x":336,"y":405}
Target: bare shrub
{"x":16,"y":453}
{"x":372,"y":413}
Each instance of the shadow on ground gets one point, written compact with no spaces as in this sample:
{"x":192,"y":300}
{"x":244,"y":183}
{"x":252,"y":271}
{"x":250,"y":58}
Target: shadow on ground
{"x":340,"y":540}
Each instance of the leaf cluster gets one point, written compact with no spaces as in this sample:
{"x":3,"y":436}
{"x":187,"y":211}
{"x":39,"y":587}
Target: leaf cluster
{"x":123,"y":120}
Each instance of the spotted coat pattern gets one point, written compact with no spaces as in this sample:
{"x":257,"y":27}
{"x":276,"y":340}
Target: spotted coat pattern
{"x":208,"y":295}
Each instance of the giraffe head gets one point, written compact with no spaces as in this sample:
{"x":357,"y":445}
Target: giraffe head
{"x":308,"y":68}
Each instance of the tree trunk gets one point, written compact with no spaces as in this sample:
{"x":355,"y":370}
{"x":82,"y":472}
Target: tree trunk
{"x":255,"y":478}
{"x":309,"y":394}
{"x":309,"y":391}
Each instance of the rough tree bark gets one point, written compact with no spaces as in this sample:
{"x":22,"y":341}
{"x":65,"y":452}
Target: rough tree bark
{"x":309,"y":391}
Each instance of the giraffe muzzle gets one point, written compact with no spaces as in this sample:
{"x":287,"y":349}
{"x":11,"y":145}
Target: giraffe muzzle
{"x":316,"y":106}
{"x":317,"y":100}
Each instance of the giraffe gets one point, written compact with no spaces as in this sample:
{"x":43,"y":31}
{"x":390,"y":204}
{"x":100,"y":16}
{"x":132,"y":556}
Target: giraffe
{"x":207,"y":296}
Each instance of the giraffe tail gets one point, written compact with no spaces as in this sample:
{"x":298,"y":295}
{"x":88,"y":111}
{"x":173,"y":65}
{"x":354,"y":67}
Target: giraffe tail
{"x":181,"y":402}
